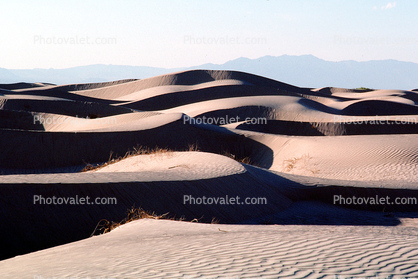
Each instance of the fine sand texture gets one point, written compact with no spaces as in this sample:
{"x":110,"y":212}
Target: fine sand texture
{"x":168,"y":249}
{"x":324,"y":181}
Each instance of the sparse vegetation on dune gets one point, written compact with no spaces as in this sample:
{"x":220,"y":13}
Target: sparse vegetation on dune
{"x":140,"y":150}
{"x":244,"y":160}
{"x":363,"y":89}
{"x":105,"y":226}
{"x":136,"y":151}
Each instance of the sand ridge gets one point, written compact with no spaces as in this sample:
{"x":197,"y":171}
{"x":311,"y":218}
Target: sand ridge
{"x":220,"y":251}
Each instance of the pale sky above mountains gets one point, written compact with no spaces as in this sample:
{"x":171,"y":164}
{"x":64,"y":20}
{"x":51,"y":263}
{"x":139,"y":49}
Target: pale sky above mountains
{"x":169,"y":34}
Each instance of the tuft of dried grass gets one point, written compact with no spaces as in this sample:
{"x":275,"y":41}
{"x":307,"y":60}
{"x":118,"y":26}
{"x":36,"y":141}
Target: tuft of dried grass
{"x":302,"y":162}
{"x":193,"y":147}
{"x":136,"y":151}
{"x":140,"y":150}
{"x":244,"y":160}
{"x":105,"y":226}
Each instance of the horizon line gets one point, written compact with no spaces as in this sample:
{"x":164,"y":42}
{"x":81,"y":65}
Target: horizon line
{"x":209,"y":63}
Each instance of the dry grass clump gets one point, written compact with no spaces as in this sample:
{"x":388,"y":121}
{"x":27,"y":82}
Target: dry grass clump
{"x":136,"y":151}
{"x":140,"y":150}
{"x":105,"y":226}
{"x":302,"y":162}
{"x":244,"y":160}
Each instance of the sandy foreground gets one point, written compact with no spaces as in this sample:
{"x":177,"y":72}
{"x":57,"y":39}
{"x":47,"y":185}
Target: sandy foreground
{"x":169,"y":249}
{"x":304,"y":183}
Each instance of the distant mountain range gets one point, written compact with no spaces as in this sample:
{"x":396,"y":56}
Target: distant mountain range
{"x":303,"y":71}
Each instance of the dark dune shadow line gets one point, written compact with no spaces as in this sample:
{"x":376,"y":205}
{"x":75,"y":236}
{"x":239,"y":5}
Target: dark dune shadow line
{"x":19,"y":120}
{"x":61,"y":92}
{"x":318,"y":106}
{"x":313,"y":202}
{"x":20,"y":85}
{"x":180,"y":98}
{"x":242,"y":112}
{"x":288,"y":202}
{"x":259,"y":154}
{"x":40,"y":226}
{"x":66,"y":149}
{"x":379,"y":107}
{"x":89,"y":86}
{"x":68,"y":108}
{"x":330,"y":192}
{"x":296,"y":128}
{"x":323,"y":190}
{"x":299,"y":128}
{"x":320,"y":213}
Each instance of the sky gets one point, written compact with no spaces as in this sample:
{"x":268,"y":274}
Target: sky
{"x":180,"y":33}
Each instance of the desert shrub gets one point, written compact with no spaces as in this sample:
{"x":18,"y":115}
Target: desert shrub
{"x":105,"y":226}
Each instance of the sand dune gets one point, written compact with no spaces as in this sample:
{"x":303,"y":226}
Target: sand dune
{"x":213,"y":251}
{"x":296,"y":147}
{"x":368,"y":157}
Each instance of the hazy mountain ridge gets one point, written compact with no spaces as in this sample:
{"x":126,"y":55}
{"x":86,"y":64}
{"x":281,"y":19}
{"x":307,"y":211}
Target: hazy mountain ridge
{"x":304,"y":71}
